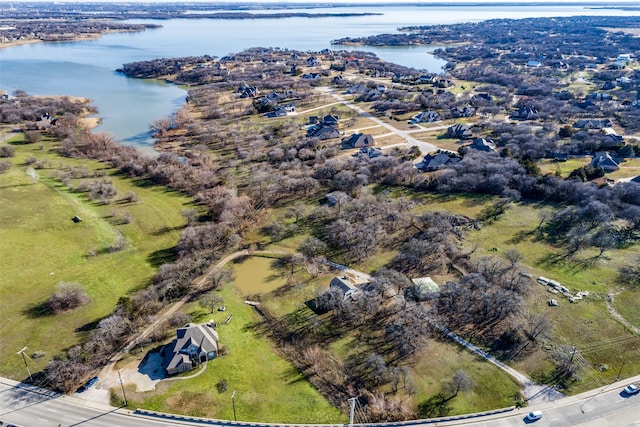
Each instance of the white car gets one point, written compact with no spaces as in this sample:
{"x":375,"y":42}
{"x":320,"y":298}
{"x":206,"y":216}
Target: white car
{"x":631,"y":389}
{"x":534,"y":415}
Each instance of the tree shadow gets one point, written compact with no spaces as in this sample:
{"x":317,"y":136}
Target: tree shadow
{"x":88,"y":326}
{"x":37,"y":310}
{"x":435,"y":406}
{"x":162,"y":256}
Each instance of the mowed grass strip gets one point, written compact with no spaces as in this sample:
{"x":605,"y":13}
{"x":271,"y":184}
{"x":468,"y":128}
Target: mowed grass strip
{"x":41,"y":246}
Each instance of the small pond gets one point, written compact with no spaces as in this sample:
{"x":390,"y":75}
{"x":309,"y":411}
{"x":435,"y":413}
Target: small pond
{"x":254,"y":275}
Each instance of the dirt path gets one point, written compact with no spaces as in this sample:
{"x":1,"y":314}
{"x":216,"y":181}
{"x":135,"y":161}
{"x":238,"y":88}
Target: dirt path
{"x":109,"y":375}
{"x":611,"y":297}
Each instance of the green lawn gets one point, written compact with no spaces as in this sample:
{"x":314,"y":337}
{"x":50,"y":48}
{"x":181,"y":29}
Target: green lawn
{"x":269,"y":388}
{"x":40,"y":246}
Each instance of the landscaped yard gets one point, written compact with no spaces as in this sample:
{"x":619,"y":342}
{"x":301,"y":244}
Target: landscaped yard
{"x":268,"y":387}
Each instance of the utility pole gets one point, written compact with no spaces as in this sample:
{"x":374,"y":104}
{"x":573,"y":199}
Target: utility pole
{"x":352,"y":401}
{"x":233,"y":402}
{"x":124,"y":397}
{"x":24,"y":357}
{"x":620,"y":371}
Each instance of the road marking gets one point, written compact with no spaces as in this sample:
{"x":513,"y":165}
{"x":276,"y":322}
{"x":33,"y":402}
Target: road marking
{"x":43,"y":420}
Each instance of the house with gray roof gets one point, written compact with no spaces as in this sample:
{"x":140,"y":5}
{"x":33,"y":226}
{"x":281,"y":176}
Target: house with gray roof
{"x":426,"y":117}
{"x":592,"y":123}
{"x":357,"y":140}
{"x":348,"y":288}
{"x":194,"y":345}
{"x":605,"y":160}
{"x":459,"y":131}
{"x":432,"y":162}
{"x":482,"y":144}
{"x":526,"y":112}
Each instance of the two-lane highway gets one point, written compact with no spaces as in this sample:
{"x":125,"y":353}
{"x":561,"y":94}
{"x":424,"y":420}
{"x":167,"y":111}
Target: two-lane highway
{"x":29,"y":406}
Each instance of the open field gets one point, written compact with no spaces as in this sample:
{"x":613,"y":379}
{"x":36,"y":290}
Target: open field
{"x":548,"y":166}
{"x":40,"y":246}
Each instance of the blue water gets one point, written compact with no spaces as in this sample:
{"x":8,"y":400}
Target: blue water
{"x":127,"y":106}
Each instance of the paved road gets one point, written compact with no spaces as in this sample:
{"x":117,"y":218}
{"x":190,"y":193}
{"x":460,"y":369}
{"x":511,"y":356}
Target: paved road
{"x":424,"y":147}
{"x":30,"y":406}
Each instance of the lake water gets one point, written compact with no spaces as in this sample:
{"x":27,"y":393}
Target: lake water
{"x":127,"y":106}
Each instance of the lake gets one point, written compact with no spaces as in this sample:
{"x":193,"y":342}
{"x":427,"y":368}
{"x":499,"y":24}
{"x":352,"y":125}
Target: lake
{"x":127,"y":106}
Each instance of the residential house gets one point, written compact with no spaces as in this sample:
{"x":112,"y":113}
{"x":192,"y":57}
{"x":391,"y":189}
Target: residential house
{"x":586,"y":105}
{"x":348,"y":285}
{"x":194,"y":345}
{"x":281,"y":111}
{"x":482,"y":95}
{"x":311,"y":76}
{"x":466,"y":111}
{"x":426,"y":79}
{"x":43,"y":122}
{"x":612,"y":141}
{"x":599,"y":96}
{"x":312,"y":62}
{"x":357,"y":140}
{"x":482,"y":144}
{"x":323,"y":132}
{"x":443,"y":83}
{"x":426,"y":117}
{"x":563,"y":95}
{"x":459,"y":131}
{"x":432,"y":162}
{"x":592,"y":124}
{"x":330,"y":120}
{"x":605,"y":160}
{"x":358,"y":88}
{"x":534,"y":63}
{"x":525,"y":113}
{"x":559,"y":64}
{"x":370,"y":152}
{"x":247,"y":91}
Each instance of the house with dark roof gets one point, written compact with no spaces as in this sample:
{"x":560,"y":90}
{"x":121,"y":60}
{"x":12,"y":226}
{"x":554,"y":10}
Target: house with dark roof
{"x":370,"y":152}
{"x":432,"y":162}
{"x":525,"y":113}
{"x":605,"y":160}
{"x":426,"y":117}
{"x":247,"y":91}
{"x":330,"y":120}
{"x":592,"y":123}
{"x":459,"y":131}
{"x":466,"y":111}
{"x":194,"y":345}
{"x":323,"y":132}
{"x":357,"y":140}
{"x":358,"y":88}
{"x":482,"y":144}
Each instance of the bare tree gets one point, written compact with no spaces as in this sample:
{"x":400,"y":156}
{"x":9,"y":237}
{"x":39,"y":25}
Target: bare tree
{"x":460,"y":382}
{"x":210,"y":300}
{"x":67,"y":297}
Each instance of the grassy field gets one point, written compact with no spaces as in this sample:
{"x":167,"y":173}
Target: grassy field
{"x":586,"y":324}
{"x":40,"y":246}
{"x":564,"y":168}
{"x":268,"y":387}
